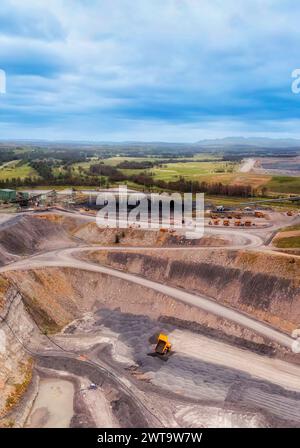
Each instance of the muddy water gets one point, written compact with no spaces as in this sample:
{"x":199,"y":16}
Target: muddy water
{"x":53,"y":407}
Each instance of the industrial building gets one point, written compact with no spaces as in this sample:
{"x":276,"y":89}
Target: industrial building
{"x":7,"y":195}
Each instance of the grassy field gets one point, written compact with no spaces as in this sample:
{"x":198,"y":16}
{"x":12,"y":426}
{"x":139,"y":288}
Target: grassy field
{"x":284,"y":184}
{"x":191,"y":170}
{"x":212,"y":172}
{"x":114,"y":161}
{"x":85,"y":165}
{"x":215,"y":170}
{"x":15,"y":169}
{"x":288,"y":237}
{"x":202,"y":171}
{"x":75,"y":167}
{"x":197,"y":170}
{"x":292,"y":242}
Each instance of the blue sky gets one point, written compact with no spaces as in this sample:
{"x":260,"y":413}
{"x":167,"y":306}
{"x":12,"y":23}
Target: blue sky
{"x":163,"y":70}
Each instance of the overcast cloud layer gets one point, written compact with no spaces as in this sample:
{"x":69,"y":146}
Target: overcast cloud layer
{"x":168,"y":70}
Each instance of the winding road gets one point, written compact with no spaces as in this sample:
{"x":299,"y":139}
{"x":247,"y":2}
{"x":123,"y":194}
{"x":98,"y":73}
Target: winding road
{"x":69,"y":258}
{"x":73,"y":257}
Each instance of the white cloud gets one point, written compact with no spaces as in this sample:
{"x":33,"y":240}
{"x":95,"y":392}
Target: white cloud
{"x":158,"y":63}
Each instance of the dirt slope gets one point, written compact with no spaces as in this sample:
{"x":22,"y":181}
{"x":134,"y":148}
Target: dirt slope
{"x":25,"y":235}
{"x":266,"y":286}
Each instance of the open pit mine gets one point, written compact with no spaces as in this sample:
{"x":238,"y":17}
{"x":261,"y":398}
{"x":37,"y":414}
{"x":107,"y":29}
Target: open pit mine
{"x":131,"y":328}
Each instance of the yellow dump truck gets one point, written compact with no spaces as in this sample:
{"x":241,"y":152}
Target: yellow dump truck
{"x":163,"y":345}
{"x":258,"y":214}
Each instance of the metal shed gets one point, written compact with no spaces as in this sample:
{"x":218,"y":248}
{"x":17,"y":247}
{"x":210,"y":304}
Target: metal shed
{"x":8,"y":195}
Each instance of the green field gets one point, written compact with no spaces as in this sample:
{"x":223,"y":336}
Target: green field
{"x":288,"y":237}
{"x":191,"y":170}
{"x":197,"y":168}
{"x":84,"y":165}
{"x":75,"y":167}
{"x":284,"y":184}
{"x":219,"y":171}
{"x":292,"y":242}
{"x":15,"y":169}
{"x":114,"y":161}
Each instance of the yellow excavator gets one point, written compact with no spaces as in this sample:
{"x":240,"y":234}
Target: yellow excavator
{"x":163,"y":346}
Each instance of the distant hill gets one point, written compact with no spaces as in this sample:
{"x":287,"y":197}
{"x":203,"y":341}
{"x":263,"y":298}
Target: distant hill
{"x":251,"y":141}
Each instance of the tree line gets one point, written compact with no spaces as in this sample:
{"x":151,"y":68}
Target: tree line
{"x":103,"y":175}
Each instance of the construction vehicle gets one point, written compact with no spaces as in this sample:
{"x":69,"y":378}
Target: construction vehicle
{"x":163,"y":346}
{"x":248,"y":210}
{"x":220,"y":208}
{"x":258,"y":214}
{"x":237,"y":223}
{"x":226,"y":222}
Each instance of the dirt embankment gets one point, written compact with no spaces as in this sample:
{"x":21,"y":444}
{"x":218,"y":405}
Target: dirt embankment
{"x":54,"y":297}
{"x":25,"y":235}
{"x":5,"y":257}
{"x":16,"y":364}
{"x":266,"y":286}
{"x":90,"y":233}
{"x":37,"y":303}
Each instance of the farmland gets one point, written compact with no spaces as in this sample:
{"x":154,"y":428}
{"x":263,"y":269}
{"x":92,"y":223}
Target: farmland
{"x":168,"y":169}
{"x":284,"y":184}
{"x":15,"y":169}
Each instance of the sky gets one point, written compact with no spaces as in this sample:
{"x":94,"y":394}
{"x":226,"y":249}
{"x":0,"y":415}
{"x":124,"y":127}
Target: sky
{"x":149,"y":70}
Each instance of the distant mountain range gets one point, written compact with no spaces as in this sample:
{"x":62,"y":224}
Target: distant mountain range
{"x":251,"y":141}
{"x":218,"y":142}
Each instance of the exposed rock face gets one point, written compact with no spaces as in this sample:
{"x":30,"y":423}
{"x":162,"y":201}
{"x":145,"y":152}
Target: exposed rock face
{"x":39,"y":301}
{"x":264,"y":285}
{"x":15,"y":361}
{"x":24,"y":235}
{"x":91,"y":233}
{"x":5,"y":257}
{"x":54,"y":297}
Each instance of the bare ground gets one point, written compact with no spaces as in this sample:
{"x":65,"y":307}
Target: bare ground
{"x":218,"y":375}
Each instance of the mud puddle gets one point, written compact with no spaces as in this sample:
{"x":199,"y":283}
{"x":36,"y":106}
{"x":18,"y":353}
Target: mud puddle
{"x":53,"y":407}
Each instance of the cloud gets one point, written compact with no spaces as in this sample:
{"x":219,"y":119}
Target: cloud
{"x":18,"y":18}
{"x":113,"y":70}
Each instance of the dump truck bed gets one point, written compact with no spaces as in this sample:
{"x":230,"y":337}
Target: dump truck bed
{"x":160,"y":347}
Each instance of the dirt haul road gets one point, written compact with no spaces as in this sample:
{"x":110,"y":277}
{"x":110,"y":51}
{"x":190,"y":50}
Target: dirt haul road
{"x":67,"y":258}
{"x":245,"y":239}
{"x":280,"y":373}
